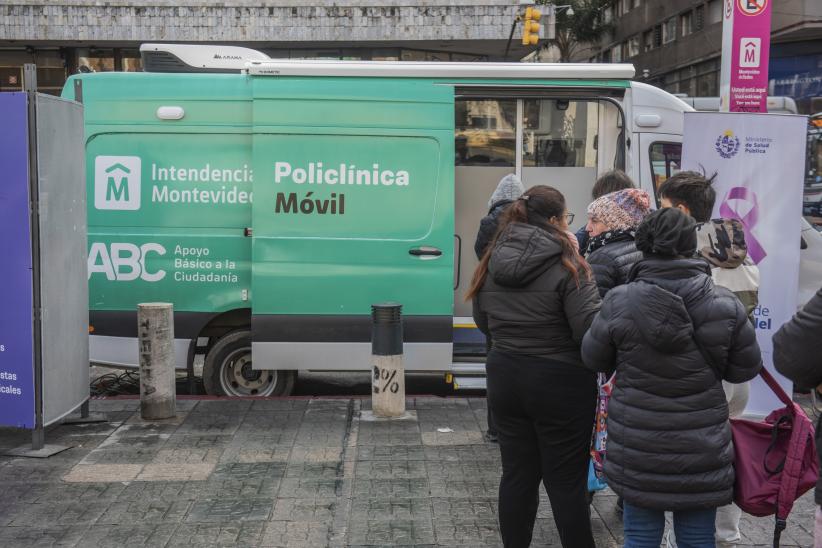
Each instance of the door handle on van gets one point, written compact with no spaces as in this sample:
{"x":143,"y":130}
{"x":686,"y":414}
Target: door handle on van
{"x":425,"y":252}
{"x":248,"y":231}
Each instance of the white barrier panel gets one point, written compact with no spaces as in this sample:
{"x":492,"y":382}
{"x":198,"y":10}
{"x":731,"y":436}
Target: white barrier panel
{"x":759,"y":160}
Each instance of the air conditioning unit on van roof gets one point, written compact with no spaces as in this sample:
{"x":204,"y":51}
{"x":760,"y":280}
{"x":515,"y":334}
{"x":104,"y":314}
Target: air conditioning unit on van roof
{"x":197,"y":58}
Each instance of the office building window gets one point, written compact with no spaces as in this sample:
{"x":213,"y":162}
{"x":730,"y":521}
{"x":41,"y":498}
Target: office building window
{"x":699,"y":18}
{"x":633,"y":46}
{"x":669,"y":31}
{"x":648,"y":40}
{"x":657,"y":36}
{"x":714,"y":12}
{"x":686,"y":22}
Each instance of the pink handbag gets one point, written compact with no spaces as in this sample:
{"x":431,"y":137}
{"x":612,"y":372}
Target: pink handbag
{"x":775,"y":460}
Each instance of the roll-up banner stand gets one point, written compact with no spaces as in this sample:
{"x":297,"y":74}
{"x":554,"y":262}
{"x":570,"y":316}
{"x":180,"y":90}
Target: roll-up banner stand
{"x":44,"y":367}
{"x":759,"y":160}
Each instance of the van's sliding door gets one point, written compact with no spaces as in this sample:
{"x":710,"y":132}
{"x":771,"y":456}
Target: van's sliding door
{"x":353,"y":205}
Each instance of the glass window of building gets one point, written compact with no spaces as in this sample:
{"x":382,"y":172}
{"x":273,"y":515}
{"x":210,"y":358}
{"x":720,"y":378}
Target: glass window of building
{"x":486,"y":132}
{"x":559,"y":133}
{"x":616,"y":54}
{"x":686,"y":22}
{"x":699,"y":18}
{"x":648,"y":40}
{"x":669,"y":31}
{"x":633,"y":46}
{"x":714,"y":12}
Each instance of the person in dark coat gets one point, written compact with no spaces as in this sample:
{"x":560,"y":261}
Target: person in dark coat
{"x":534,"y":296}
{"x":672,"y":336}
{"x":509,"y":189}
{"x":612,"y":223}
{"x":797,"y":354}
{"x":608,"y":182}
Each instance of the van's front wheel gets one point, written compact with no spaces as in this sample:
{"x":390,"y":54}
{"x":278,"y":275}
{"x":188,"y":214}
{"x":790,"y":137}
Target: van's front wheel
{"x":227,"y":370}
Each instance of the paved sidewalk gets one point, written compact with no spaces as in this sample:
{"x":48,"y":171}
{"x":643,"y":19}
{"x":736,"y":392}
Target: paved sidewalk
{"x":272,"y":473}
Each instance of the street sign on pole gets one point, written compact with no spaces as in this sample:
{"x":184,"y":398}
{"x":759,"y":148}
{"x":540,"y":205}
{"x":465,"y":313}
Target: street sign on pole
{"x":746,"y":39}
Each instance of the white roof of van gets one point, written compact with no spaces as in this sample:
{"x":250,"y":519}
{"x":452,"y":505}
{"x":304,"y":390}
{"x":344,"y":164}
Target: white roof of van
{"x":205,"y":58}
{"x":414,"y":69}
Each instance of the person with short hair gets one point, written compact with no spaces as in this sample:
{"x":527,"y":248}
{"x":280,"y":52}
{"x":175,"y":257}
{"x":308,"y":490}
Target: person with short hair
{"x":721,"y":243}
{"x":671,"y":336}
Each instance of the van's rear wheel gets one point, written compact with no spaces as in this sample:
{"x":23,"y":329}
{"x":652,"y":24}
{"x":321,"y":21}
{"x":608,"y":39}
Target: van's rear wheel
{"x":227,"y":370}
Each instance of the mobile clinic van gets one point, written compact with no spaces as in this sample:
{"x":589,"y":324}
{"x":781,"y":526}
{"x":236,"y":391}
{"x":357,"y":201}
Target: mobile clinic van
{"x":274,"y":201}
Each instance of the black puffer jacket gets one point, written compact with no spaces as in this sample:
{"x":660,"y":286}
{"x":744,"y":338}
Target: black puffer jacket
{"x":612,"y":262}
{"x":488,"y":227}
{"x":669,"y":440}
{"x":530,"y":304}
{"x":797,"y":354}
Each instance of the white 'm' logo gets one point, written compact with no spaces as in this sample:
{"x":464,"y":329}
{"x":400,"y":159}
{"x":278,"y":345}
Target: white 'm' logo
{"x":117,"y":182}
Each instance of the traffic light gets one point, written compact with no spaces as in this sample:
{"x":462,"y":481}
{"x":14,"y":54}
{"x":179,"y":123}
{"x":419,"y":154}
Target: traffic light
{"x":530,"y":27}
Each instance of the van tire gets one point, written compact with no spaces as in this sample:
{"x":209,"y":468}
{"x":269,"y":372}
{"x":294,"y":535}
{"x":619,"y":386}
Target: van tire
{"x":227,"y":370}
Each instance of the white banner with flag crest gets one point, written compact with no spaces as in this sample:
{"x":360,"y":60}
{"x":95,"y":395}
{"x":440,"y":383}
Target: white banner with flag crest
{"x":759,"y":160}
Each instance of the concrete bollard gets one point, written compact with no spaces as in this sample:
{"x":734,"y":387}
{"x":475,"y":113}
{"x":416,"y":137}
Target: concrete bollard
{"x":388,"y":374}
{"x":158,"y":389}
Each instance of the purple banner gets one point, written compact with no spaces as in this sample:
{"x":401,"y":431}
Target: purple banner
{"x":16,"y":339}
{"x":749,"y":56}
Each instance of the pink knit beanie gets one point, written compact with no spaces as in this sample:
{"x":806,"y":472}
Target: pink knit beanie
{"x":621,"y":210}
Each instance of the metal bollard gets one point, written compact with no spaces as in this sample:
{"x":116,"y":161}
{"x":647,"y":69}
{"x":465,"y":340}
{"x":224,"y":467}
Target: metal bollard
{"x":388,"y":376}
{"x":155,"y":329}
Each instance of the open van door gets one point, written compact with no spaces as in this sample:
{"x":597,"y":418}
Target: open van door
{"x":353,"y":205}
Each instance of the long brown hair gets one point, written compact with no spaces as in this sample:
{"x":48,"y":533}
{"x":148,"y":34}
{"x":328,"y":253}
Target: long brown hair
{"x":536,"y":207}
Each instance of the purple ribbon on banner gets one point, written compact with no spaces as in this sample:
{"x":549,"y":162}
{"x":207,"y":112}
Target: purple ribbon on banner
{"x":749,"y":220}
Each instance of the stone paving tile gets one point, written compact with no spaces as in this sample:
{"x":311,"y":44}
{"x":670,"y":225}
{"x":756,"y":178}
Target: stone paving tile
{"x":452,"y":438}
{"x":391,"y":488}
{"x":57,"y":513}
{"x":230,"y":510}
{"x":138,"y":534}
{"x":476,"y":488}
{"x":315,"y":454}
{"x":250,"y":455}
{"x":187,"y":456}
{"x":223,"y":407}
{"x":314,"y":470}
{"x":198,"y":534}
{"x":279,"y":405}
{"x":390,"y":453}
{"x":391,"y":533}
{"x":390,"y":439}
{"x":93,"y":473}
{"x":151,"y":511}
{"x":295,"y":534}
{"x":457,"y":531}
{"x":49,"y":535}
{"x":176,"y":472}
{"x":308,"y":510}
{"x":223,"y":425}
{"x":310,"y":487}
{"x":391,"y":469}
{"x":391,"y":510}
{"x":140,"y":491}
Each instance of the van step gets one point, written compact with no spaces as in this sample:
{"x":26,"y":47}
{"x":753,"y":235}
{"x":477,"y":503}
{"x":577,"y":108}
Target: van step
{"x":469,"y":383}
{"x":468,"y":368}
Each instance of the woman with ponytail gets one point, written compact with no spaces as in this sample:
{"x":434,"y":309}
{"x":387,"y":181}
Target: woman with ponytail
{"x":534,"y":295}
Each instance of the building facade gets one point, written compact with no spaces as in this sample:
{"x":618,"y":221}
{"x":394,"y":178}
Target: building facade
{"x":677,"y":46}
{"x":72,"y":35}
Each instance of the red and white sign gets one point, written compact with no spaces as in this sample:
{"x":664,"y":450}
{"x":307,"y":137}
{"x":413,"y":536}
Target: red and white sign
{"x":746,"y":39}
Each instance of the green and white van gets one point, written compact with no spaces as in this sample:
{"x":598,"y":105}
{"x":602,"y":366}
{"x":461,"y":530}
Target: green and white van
{"x":274,"y":201}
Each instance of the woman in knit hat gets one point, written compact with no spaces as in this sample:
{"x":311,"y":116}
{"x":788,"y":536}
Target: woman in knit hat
{"x":612,"y":223}
{"x":672,"y":337}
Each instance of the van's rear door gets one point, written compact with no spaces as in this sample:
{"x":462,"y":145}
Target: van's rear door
{"x":353,"y":205}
